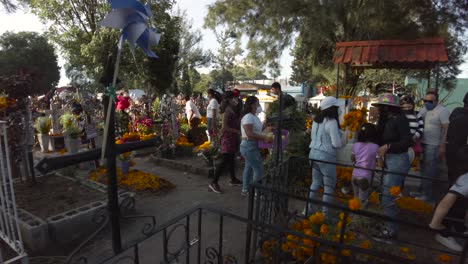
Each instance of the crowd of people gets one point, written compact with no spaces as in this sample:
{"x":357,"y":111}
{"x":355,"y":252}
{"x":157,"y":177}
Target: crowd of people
{"x":398,"y":136}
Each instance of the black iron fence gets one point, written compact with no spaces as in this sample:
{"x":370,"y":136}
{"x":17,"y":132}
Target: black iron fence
{"x":279,"y":228}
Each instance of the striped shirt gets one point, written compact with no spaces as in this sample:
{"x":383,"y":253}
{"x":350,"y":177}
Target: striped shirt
{"x":416,"y":124}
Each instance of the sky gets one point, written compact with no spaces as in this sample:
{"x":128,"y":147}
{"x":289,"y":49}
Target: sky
{"x":196,"y":12}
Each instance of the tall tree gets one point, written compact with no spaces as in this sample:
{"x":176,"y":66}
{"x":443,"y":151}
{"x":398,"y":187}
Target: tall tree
{"x":31,"y":53}
{"x":229,"y":49}
{"x":9,"y":5}
{"x":191,"y":53}
{"x":318,"y":24}
{"x":91,"y":49}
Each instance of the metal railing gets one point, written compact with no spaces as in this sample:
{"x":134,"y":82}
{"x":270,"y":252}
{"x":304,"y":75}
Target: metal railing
{"x":10,"y":232}
{"x":207,"y":235}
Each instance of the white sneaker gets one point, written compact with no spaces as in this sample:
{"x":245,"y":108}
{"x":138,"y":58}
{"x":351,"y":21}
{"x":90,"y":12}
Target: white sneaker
{"x":449,"y":242}
{"x":422,"y":198}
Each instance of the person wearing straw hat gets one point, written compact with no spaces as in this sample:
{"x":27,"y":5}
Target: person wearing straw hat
{"x":394,"y":140}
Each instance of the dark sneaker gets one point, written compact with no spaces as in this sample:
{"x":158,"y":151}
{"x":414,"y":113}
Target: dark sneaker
{"x":235,"y":182}
{"x":215,"y":187}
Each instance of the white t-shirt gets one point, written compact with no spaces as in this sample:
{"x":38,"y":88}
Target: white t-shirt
{"x":253,"y":120}
{"x":191,"y":106}
{"x":433,"y":121}
{"x":213,"y":105}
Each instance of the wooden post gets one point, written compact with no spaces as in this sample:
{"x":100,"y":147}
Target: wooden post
{"x":437,"y":78}
{"x":337,"y":80}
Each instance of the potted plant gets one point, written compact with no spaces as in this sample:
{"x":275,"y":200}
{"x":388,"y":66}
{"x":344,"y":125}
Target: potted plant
{"x":124,"y":162}
{"x":72,"y":132}
{"x":43,"y":125}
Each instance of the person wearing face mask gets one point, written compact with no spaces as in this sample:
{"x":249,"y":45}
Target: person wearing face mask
{"x":416,"y":123}
{"x":326,"y":139}
{"x":251,"y":131}
{"x":436,"y":123}
{"x":394,"y":140}
{"x":230,"y":110}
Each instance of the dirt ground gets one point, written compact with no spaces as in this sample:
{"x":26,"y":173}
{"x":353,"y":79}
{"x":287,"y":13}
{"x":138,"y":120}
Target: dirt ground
{"x":53,"y":194}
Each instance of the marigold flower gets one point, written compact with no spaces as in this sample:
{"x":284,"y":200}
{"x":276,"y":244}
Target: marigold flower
{"x":284,"y":247}
{"x":395,"y":190}
{"x":323,"y":229}
{"x":444,"y":258}
{"x":305,"y":224}
{"x":374,"y":197}
{"x":365,"y":244}
{"x":354,"y":204}
{"x":346,"y":252}
{"x":404,"y":249}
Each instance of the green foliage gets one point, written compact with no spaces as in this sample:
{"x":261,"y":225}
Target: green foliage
{"x":30,"y":53}
{"x":43,"y":124}
{"x":317,"y":25}
{"x":248,"y":72}
{"x":203,"y":84}
{"x":70,"y":125}
{"x":91,"y":50}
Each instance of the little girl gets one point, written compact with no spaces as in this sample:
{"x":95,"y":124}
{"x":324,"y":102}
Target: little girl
{"x":364,"y":153}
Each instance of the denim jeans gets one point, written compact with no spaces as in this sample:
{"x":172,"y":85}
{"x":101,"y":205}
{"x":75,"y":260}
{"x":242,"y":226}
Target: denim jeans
{"x":398,"y":163}
{"x":209,"y":124}
{"x":323,"y":175}
{"x":253,"y":162}
{"x":430,"y":169}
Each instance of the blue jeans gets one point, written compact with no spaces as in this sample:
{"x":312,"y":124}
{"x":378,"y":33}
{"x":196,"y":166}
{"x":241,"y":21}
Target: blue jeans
{"x":323,"y":175}
{"x":398,"y":163}
{"x":253,"y":162}
{"x":430,"y":169}
{"x":209,"y":124}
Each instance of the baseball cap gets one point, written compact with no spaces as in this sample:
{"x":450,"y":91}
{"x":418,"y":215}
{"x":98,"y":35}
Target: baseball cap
{"x":330,"y":101}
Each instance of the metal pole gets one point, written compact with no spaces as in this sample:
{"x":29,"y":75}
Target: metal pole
{"x":337,"y":80}
{"x":437,"y":78}
{"x":428,"y":80}
{"x":113,"y":202}
{"x":345,"y":78}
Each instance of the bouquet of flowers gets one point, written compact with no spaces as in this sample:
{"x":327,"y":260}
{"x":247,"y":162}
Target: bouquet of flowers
{"x":143,"y":125}
{"x":70,"y":125}
{"x":43,"y":124}
{"x":207,"y":152}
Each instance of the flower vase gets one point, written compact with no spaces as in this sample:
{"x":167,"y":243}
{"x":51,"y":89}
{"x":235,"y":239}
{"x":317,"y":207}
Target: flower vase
{"x":124,"y":166}
{"x":44,"y":140}
{"x":98,"y":141}
{"x":72,"y":144}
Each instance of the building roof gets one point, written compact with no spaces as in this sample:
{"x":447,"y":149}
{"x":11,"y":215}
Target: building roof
{"x":252,"y":86}
{"x":417,"y":54}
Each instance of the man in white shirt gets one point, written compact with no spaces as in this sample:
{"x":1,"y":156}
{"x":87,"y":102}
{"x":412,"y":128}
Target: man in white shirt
{"x":193,"y":118}
{"x":436,"y":122}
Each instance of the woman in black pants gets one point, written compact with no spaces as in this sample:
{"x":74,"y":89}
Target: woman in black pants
{"x":230,"y":109}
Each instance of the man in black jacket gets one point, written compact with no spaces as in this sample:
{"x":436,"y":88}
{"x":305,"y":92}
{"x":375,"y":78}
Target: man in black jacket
{"x":457,"y":165}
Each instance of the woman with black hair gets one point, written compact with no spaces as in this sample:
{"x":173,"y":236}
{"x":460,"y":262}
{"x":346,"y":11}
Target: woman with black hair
{"x":326,"y":139}
{"x":251,"y":131}
{"x":394,"y":140}
{"x":230,"y":132}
